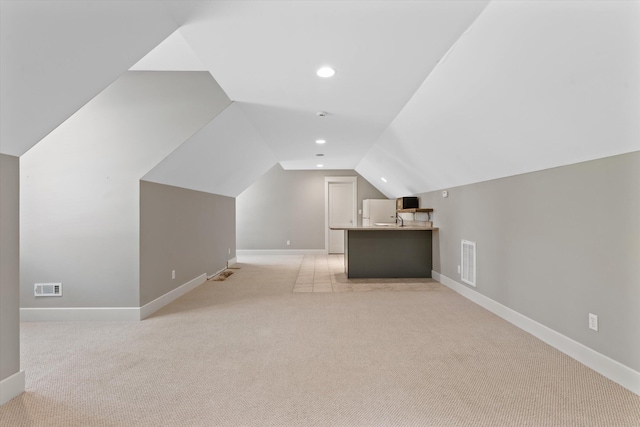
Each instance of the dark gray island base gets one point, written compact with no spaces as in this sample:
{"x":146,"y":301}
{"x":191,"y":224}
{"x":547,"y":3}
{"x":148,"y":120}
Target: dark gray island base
{"x":388,"y":253}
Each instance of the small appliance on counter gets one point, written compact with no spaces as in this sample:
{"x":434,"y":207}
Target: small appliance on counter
{"x":407,"y":203}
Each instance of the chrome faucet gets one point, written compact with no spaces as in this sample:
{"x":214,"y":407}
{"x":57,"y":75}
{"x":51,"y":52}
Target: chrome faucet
{"x":398,"y":217}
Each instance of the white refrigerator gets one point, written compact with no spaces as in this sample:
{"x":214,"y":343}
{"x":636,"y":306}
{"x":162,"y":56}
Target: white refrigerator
{"x":378,"y":210}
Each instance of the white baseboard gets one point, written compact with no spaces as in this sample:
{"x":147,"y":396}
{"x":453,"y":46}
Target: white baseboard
{"x":155,"y":305}
{"x":232,"y":261}
{"x":11,"y":387}
{"x":49,"y":314}
{"x":241,"y":252}
{"x":604,"y":365}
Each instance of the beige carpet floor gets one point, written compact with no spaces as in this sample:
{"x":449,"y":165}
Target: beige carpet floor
{"x":248,"y":351}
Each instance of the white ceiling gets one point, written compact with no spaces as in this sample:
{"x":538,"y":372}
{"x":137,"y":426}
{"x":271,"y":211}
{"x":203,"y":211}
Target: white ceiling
{"x":173,"y":54}
{"x":265,"y":54}
{"x":430,"y":94}
{"x":55,"y":56}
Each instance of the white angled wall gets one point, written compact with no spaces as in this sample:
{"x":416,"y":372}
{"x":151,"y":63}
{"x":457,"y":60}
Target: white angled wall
{"x":80,"y":185}
{"x":56,"y":56}
{"x":225,"y":157}
{"x":530,"y":86}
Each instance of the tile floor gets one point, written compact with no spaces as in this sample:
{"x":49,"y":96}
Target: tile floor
{"x":325,"y":273}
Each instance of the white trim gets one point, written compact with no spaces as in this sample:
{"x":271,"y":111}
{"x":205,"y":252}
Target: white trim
{"x":327,"y":181}
{"x":11,"y":387}
{"x":155,"y":305}
{"x":615,"y":371}
{"x":232,"y":261}
{"x":48,"y":314}
{"x":241,"y":252}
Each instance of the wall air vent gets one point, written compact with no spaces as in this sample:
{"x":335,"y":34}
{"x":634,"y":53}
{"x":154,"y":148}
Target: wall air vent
{"x":47,"y":289}
{"x":468,"y":262}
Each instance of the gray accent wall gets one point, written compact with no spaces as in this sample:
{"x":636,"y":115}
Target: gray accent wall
{"x":554,"y":245}
{"x":9,"y":266}
{"x":188,"y":231}
{"x":289,"y":205}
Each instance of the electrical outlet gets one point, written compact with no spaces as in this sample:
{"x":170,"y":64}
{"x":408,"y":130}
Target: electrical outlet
{"x":288,"y":242}
{"x":593,"y":321}
{"x":459,"y":271}
{"x":229,"y":251}
{"x":173,"y":274}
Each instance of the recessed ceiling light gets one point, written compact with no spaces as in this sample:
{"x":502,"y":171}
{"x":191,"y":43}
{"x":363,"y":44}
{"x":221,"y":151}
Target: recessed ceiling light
{"x":326,"y":72}
{"x":383,"y":179}
{"x":319,"y":165}
{"x":320,"y":141}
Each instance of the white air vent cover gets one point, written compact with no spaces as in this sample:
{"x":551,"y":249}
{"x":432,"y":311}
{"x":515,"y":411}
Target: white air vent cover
{"x":468,"y":262}
{"x":47,"y":289}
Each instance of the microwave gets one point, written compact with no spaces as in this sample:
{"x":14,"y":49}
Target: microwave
{"x":407,"y":203}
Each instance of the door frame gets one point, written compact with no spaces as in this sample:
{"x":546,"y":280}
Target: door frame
{"x":334,"y":180}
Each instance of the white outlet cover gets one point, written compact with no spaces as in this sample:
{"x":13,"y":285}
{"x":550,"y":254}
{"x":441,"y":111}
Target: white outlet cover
{"x":445,"y":193}
{"x":593,"y":321}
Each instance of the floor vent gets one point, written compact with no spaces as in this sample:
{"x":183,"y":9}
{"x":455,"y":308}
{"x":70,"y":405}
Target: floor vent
{"x":469,"y":262}
{"x":47,"y":289}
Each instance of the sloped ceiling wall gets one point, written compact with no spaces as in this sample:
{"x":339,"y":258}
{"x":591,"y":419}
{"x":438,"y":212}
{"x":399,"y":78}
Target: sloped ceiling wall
{"x":56,"y":56}
{"x":224,"y":157}
{"x":530,"y":86}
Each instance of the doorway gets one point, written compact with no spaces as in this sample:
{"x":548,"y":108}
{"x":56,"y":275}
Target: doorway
{"x":340,"y":210}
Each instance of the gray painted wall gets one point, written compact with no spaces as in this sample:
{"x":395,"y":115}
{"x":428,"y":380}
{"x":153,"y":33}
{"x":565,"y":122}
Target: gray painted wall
{"x":9,"y":266}
{"x":80,"y":185}
{"x":554,"y":246}
{"x":188,"y":231}
{"x":289,"y":205}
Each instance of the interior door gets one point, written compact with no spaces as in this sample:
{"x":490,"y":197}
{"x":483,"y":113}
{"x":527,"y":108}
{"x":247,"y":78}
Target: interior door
{"x":341,"y":213}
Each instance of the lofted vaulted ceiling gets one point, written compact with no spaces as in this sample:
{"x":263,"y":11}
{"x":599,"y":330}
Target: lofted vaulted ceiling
{"x":428,"y":94}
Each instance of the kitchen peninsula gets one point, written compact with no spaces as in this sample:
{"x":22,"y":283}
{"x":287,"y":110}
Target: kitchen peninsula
{"x":388,"y":251}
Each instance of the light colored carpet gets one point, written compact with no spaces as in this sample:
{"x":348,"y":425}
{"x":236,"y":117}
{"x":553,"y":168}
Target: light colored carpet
{"x":250,"y":352}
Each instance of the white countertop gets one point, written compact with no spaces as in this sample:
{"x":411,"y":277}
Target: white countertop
{"x":387,"y":228}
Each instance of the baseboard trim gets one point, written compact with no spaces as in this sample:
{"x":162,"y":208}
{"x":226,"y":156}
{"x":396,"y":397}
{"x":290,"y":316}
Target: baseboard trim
{"x":155,"y":305}
{"x":232,"y":261}
{"x":604,"y":365}
{"x":11,"y":387}
{"x":241,"y":252}
{"x":54,"y":314}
